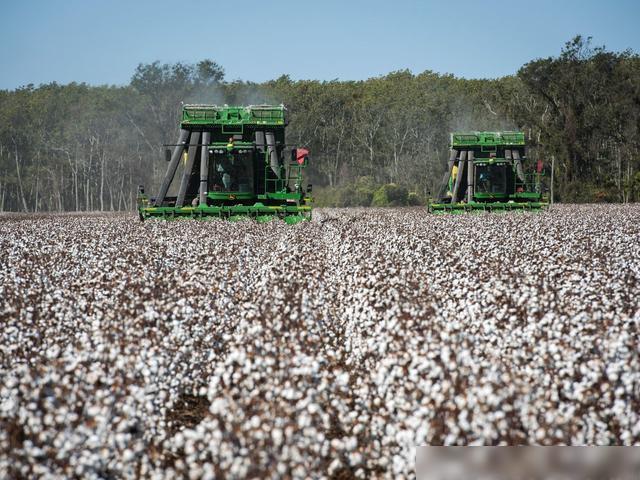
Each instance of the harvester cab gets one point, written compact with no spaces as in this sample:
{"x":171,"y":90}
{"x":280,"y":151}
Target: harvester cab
{"x":235,"y":164}
{"x":488,"y":171}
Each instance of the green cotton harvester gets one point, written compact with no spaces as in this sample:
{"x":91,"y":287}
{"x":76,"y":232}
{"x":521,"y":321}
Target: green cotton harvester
{"x":489,"y":171}
{"x":232,"y":163}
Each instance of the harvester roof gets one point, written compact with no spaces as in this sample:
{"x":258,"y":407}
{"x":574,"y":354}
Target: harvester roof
{"x":199,"y":115}
{"x":485,"y":139}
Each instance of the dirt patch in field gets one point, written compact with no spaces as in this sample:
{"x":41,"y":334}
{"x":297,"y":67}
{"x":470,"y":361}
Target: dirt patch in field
{"x":188,"y":412}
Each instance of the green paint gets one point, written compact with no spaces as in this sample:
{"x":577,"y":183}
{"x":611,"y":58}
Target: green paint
{"x":498,"y":186}
{"x":486,"y":139}
{"x":234,"y":116}
{"x":242,"y":180}
{"x":486,"y":206}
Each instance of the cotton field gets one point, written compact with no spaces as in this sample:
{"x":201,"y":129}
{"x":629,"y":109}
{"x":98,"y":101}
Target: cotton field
{"x":324,"y":349}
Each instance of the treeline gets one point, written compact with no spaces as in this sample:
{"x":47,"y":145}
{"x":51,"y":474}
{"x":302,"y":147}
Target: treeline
{"x":379,"y":141}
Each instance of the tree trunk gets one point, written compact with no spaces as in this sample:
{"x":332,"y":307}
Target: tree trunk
{"x":110,"y":196}
{"x":20,"y":189}
{"x":35,"y":206}
{"x":74,"y":171}
{"x":121,"y":194}
{"x":61,"y":191}
{"x":87,"y":188}
{"x":333,"y":174}
{"x":102,"y":182}
{"x":553,"y":168}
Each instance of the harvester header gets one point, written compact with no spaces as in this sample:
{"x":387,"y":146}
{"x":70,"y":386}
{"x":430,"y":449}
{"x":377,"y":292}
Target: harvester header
{"x":234,"y":164}
{"x":489,"y":171}
{"x":226,"y":116}
{"x":460,"y":140}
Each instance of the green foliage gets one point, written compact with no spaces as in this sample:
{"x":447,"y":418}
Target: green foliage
{"x":76,"y":147}
{"x":357,"y":194}
{"x":346,"y":196}
{"x":632,"y":188}
{"x":364,"y":192}
{"x":415,"y":199}
{"x":324,"y":197}
{"x":585,"y":111}
{"x":587,"y":192}
{"x":390,"y":195}
{"x":178,"y":77}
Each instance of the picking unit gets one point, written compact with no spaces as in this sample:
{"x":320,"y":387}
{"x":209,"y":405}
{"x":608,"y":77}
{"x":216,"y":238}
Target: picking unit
{"x":232,"y":162}
{"x":489,"y":171}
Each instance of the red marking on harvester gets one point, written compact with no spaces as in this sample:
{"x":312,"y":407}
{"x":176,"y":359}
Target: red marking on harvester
{"x":301,"y":154}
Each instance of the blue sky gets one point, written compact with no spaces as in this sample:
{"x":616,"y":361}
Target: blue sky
{"x":102,"y":41}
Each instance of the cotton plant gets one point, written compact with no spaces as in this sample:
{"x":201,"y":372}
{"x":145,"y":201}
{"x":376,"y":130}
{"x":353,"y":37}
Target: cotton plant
{"x":330,"y":348}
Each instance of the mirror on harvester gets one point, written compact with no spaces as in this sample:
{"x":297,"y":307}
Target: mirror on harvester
{"x":167,"y":155}
{"x":309,"y":188}
{"x":294,"y":155}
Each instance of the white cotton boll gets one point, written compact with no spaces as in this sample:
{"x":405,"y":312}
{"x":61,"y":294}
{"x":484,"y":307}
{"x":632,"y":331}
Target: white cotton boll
{"x":94,"y":410}
{"x":342,"y":379}
{"x":394,"y":330}
{"x":8,"y":406}
{"x":255,"y":422}
{"x":350,"y":443}
{"x":48,"y":419}
{"x":277,"y":436}
{"x":355,"y":459}
{"x":189,"y":447}
{"x":92,"y":377}
{"x":334,"y":466}
{"x":195,"y":471}
{"x":218,"y":406}
{"x":128,"y":456}
{"x":178,"y":440}
{"x":304,"y":420}
{"x":337,"y":444}
{"x":53,"y":352}
{"x":390,"y":430}
{"x":359,"y":428}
